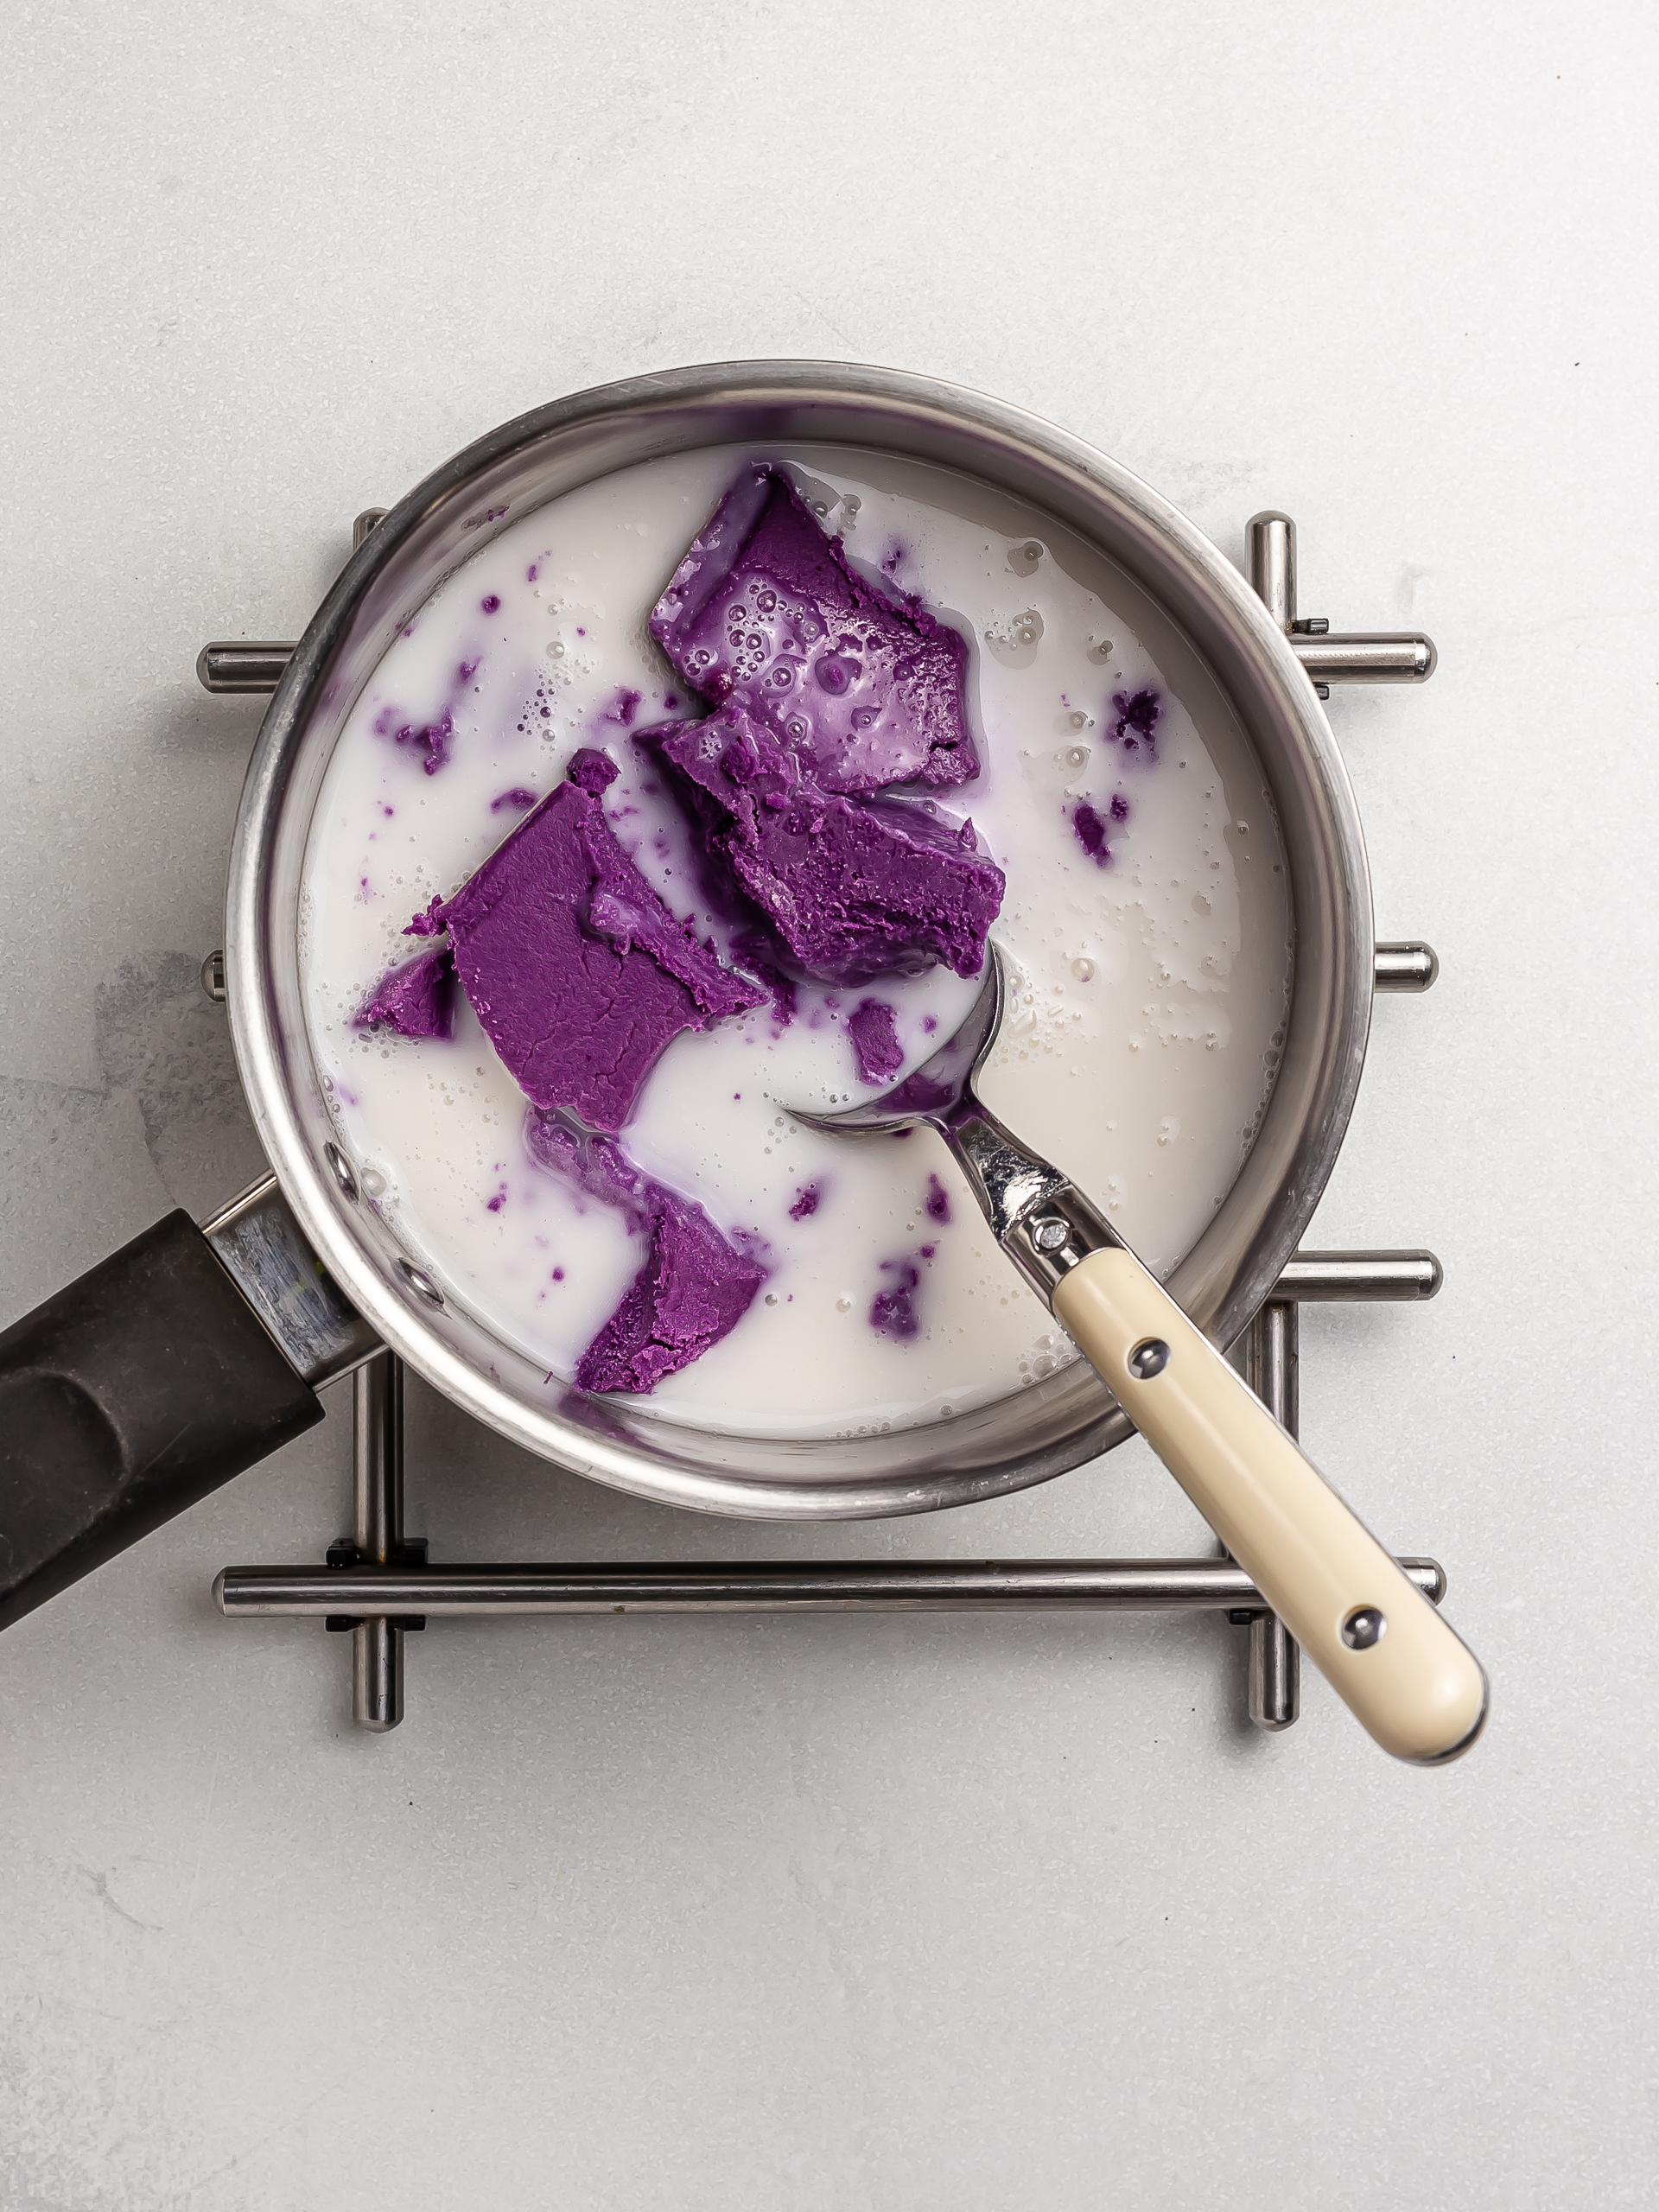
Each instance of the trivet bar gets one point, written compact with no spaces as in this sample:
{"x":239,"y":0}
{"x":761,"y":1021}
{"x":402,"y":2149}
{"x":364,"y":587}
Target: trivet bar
{"x":238,"y":664}
{"x":1346,"y":1278}
{"x":813,"y":1586}
{"x":377,"y":1534}
{"x":1404,"y":967}
{"x":1275,"y":1680}
{"x":1390,"y":656}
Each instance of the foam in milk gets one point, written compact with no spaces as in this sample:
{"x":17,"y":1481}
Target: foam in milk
{"x":1146,"y":920}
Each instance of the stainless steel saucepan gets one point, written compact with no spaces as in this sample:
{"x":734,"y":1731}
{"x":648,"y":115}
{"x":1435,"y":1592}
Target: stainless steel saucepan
{"x":194,"y":1352}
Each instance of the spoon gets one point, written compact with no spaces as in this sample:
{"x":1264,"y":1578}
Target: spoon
{"x":1404,"y":1672}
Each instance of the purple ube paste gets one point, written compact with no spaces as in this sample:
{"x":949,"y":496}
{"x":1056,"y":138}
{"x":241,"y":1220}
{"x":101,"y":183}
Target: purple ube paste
{"x":418,"y":999}
{"x":695,"y":1286}
{"x":592,"y":770}
{"x":578,"y":972}
{"x":764,"y":610}
{"x":875,"y":1032}
{"x":849,"y":889}
{"x":937,"y":1202}
{"x":808,"y":1199}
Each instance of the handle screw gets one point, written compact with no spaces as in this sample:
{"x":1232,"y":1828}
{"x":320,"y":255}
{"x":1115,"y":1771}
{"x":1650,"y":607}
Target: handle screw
{"x":1050,"y":1234}
{"x":1148,"y":1359}
{"x":1363,"y":1627}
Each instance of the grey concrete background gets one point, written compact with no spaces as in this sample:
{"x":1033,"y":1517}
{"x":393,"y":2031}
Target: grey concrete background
{"x":965,"y":1913}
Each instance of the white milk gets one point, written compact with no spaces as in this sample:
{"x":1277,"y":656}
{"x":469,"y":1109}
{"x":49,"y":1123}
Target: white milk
{"x":1138,"y":1054}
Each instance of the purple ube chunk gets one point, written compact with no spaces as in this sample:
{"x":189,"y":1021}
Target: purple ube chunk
{"x":578,"y":973}
{"x":850,"y":889}
{"x":418,"y":999}
{"x":764,"y":610}
{"x":874,"y":1032}
{"x":695,"y":1286}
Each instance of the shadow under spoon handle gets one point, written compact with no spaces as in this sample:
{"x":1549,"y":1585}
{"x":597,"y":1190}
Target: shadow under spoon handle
{"x":1403,"y":1672}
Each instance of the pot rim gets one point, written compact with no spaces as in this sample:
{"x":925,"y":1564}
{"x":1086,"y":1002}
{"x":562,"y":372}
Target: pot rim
{"x":1017,"y":1441}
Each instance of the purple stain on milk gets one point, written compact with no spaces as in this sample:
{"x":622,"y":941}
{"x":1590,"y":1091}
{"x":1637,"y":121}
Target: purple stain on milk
{"x":1091,"y":833}
{"x":623,"y":707}
{"x":893,"y":1310}
{"x":519,"y":798}
{"x":416,"y":1000}
{"x":433,"y":738}
{"x":936,"y":1205}
{"x":1091,"y":826}
{"x":874,"y":1032}
{"x":490,"y":604}
{"x":1137,"y":717}
{"x":765,"y":612}
{"x":808,"y":1199}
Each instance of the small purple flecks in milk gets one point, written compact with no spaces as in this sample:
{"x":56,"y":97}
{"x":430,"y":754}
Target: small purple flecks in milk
{"x":518,"y":797}
{"x":808,"y":1199}
{"x":1137,"y":715}
{"x":490,"y":604}
{"x":893,"y":1310}
{"x":937,"y":1203}
{"x":1091,"y":833}
{"x":1091,"y":826}
{"x":623,"y":707}
{"x":433,"y":739}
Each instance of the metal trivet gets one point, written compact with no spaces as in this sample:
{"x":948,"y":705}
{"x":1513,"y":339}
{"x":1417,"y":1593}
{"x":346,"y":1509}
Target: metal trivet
{"x":379,"y":1585}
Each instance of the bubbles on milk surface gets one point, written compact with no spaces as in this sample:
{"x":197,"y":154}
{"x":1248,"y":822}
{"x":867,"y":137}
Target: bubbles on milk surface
{"x":1150,"y":988}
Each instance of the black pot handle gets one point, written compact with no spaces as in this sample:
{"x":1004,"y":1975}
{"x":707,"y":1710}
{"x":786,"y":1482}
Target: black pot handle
{"x":181,"y":1360}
